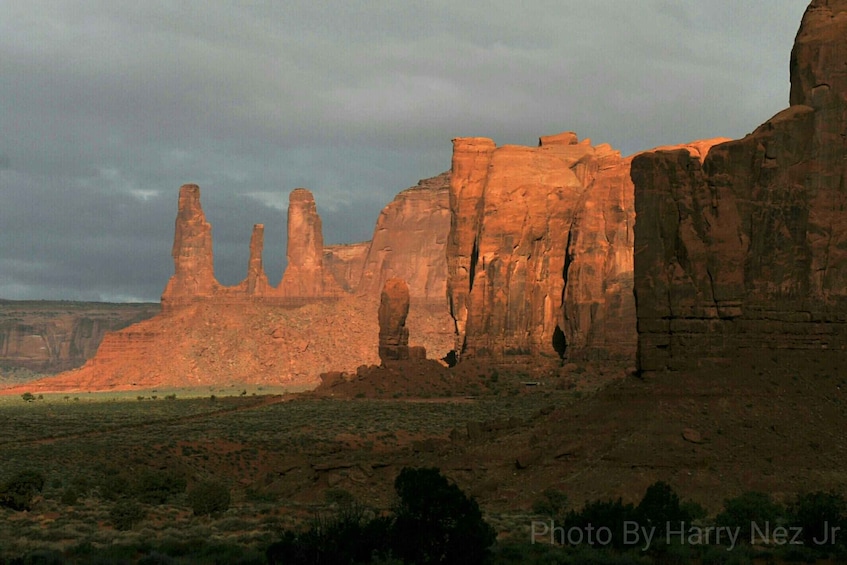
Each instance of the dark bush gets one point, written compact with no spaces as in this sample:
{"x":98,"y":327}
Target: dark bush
{"x":435,"y":522}
{"x":660,"y":508}
{"x":817,"y":514}
{"x":156,"y":487}
{"x":70,"y":496}
{"x":114,"y":487}
{"x":750,"y":508}
{"x":553,"y":503}
{"x":125,"y":514}
{"x":20,"y":491}
{"x":609,"y":514}
{"x":208,"y":498}
{"x":339,"y":539}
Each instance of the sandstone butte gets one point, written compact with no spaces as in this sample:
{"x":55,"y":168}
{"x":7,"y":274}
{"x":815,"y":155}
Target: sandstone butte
{"x":540,"y":249}
{"x":746,"y":248}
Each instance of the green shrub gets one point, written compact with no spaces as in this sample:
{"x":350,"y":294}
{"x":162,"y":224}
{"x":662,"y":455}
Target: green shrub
{"x":114,"y":486}
{"x":553,"y":503}
{"x":70,"y":496}
{"x":20,"y":491}
{"x":125,"y":514}
{"x":435,"y":521}
{"x":156,"y":487}
{"x":817,"y":513}
{"x":208,"y":498}
{"x":748,"y":509}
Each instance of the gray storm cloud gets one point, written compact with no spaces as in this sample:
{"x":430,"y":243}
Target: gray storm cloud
{"x":108,"y":107}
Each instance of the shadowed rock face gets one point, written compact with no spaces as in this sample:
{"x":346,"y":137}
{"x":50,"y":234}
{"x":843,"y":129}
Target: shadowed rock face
{"x":749,"y":248}
{"x":539,"y":255}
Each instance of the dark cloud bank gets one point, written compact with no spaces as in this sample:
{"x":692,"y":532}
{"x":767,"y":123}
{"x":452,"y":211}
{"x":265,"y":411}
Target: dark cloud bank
{"x":108,"y":107}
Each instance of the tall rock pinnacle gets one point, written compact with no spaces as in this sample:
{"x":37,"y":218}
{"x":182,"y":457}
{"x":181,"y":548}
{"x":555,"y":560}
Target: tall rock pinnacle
{"x":194,"y":272}
{"x":393,"y":310}
{"x":304,"y":275}
{"x":257,"y":280}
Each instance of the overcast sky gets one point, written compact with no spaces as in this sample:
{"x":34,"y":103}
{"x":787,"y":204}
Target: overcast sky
{"x":107,"y":107}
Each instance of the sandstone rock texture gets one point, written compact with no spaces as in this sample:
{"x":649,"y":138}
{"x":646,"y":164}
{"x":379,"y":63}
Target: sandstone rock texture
{"x":304,"y":274}
{"x":409,"y":242}
{"x":746,"y":247}
{"x":345,"y":262}
{"x":194,"y":271}
{"x":256,"y":282}
{"x":539,"y":254}
{"x":316,"y":321}
{"x":393,"y":333}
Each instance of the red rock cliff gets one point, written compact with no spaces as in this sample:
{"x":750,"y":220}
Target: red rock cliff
{"x":749,"y":248}
{"x":409,"y":242}
{"x":540,"y":249}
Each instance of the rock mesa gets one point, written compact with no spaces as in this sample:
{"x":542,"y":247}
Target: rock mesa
{"x":746,"y":247}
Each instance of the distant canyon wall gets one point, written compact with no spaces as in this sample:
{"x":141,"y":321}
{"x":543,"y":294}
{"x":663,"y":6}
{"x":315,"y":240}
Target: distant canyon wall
{"x":49,"y":337}
{"x":746,"y":247}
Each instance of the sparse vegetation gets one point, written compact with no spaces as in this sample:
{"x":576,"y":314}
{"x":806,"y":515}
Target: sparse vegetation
{"x":209,"y":498}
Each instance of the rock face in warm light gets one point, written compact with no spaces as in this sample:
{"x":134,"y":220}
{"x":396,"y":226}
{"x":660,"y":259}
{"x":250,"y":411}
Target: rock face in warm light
{"x":315,"y":322}
{"x":345,"y":262}
{"x":194,"y":271}
{"x":540,"y":249}
{"x":304,"y":275}
{"x":749,"y":248}
{"x":409,"y":242}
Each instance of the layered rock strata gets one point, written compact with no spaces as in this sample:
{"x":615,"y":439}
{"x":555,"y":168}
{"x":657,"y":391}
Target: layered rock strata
{"x":748,"y":248}
{"x":49,"y":337}
{"x":540,"y":249}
